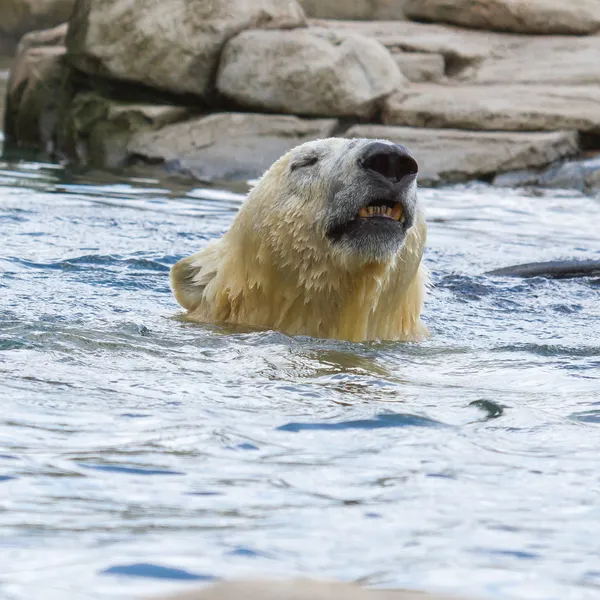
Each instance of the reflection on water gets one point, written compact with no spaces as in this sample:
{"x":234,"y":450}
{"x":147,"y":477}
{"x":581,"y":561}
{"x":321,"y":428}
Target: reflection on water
{"x":140,"y":452}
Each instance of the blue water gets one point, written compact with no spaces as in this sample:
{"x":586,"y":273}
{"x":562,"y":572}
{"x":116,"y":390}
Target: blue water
{"x":140,"y":454}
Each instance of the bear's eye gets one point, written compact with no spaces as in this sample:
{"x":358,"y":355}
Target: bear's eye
{"x":307,"y":161}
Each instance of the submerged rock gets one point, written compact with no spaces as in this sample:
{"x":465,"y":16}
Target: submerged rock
{"x":173,"y":46}
{"x":507,"y":107}
{"x":518,"y":16}
{"x":450,"y":155}
{"x":226,"y":145}
{"x":298,"y":589}
{"x":316,"y":72}
{"x":557,"y":269}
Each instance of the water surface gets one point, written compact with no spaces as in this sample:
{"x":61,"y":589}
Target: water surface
{"x":140,"y":454}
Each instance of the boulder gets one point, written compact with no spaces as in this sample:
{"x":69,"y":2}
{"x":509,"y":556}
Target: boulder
{"x":226,"y":145}
{"x":20,"y":16}
{"x":172,"y":46}
{"x":101,"y":128}
{"x":316,"y":72}
{"x":298,"y":589}
{"x":458,"y":45}
{"x":489,"y":57}
{"x":420,"y":67}
{"x":540,"y":60}
{"x":450,"y":155}
{"x":354,"y":9}
{"x":518,"y":16}
{"x":38,"y":89}
{"x":507,"y":107}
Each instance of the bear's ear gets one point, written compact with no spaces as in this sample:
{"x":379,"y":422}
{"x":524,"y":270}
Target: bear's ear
{"x":189,"y":278}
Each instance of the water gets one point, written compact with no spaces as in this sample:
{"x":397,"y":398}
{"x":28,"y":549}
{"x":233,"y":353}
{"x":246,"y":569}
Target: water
{"x":140,"y":454}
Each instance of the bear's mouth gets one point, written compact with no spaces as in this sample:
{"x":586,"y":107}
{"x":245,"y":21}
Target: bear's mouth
{"x":380,"y":218}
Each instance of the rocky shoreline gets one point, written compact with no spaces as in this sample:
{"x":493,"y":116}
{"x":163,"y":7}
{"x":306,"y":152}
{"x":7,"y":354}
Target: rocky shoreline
{"x":219,"y":90}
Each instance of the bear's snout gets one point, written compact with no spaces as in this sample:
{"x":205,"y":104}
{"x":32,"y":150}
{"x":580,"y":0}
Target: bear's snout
{"x":392,"y":161}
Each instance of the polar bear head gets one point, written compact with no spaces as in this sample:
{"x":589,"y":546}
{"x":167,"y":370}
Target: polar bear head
{"x":328,"y":243}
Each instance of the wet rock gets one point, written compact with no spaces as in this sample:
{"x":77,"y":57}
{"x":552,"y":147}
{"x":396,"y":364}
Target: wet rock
{"x":38,"y":90}
{"x":420,"y":67}
{"x":507,"y":107}
{"x":20,"y":16}
{"x":100,"y":128}
{"x":172,"y":46}
{"x":518,"y":16}
{"x":354,"y":9}
{"x":316,"y":72}
{"x":298,"y":589}
{"x":226,"y":145}
{"x":556,"y":269}
{"x":581,"y":175}
{"x":450,"y":155}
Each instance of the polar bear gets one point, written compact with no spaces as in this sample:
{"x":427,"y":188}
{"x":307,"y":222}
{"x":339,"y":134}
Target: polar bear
{"x":328,"y":244}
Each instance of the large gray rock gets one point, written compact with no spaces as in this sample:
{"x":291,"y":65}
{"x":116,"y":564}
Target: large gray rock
{"x":227,"y":145}
{"x":489,"y":57}
{"x":507,"y":107}
{"x":298,"y":589}
{"x":450,"y":155}
{"x":354,"y":9}
{"x":540,"y":60}
{"x":37,"y":92}
{"x":519,"y":16}
{"x":308,"y":72}
{"x":20,"y":16}
{"x":458,"y":45}
{"x":172,"y":46}
{"x":100,"y":129}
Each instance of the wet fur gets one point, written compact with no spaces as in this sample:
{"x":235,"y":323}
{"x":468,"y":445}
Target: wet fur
{"x":276,"y":268}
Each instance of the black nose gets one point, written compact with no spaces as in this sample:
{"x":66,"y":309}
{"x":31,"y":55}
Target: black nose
{"x":390,"y":160}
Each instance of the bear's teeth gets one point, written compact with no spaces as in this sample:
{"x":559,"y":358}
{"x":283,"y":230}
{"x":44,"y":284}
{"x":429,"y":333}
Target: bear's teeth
{"x":363,"y":212}
{"x":397,"y":212}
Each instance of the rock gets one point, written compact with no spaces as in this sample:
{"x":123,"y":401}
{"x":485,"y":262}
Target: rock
{"x":5,"y":64}
{"x":541,"y":60}
{"x":581,"y":175}
{"x":20,"y":16}
{"x":450,"y":155}
{"x":101,"y":128}
{"x":354,"y":9}
{"x":458,"y":45}
{"x":48,"y":37}
{"x":518,"y":16}
{"x":556,"y":269}
{"x":227,"y":145}
{"x":420,"y":67}
{"x":487,"y":57}
{"x":172,"y":46}
{"x":316,"y":72}
{"x":38,"y":90}
{"x":298,"y":589}
{"x":507,"y":107}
